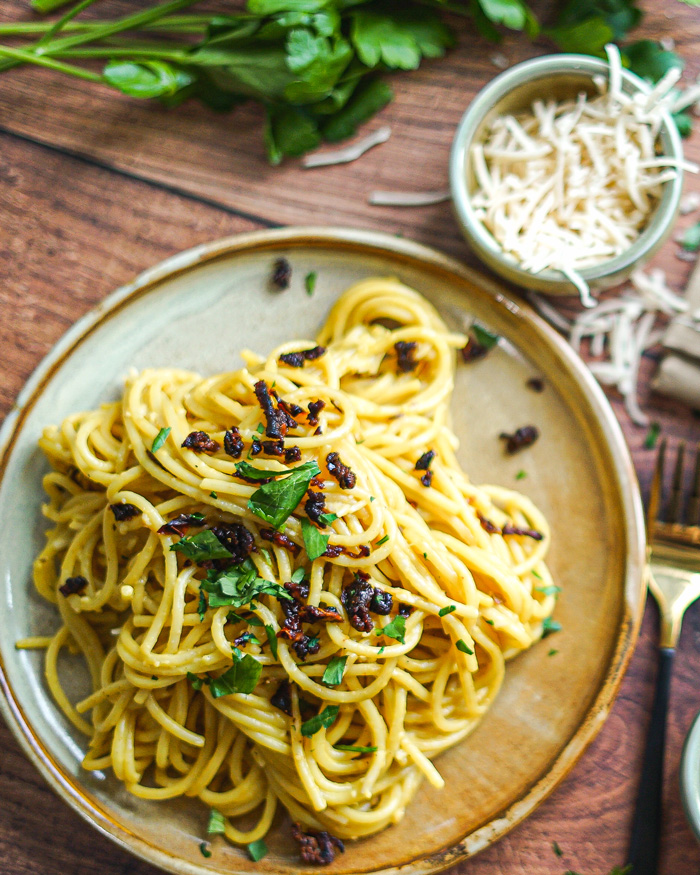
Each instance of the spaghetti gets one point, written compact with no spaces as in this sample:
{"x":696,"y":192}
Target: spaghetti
{"x":283,"y":586}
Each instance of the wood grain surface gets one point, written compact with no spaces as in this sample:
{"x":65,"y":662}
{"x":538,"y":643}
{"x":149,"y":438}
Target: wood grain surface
{"x":95,"y":187}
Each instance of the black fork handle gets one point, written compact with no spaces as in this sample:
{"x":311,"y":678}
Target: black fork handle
{"x":646,"y":826}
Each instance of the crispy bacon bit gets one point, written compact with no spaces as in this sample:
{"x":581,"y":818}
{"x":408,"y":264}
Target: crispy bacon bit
{"x":317,"y":848}
{"x":313,"y":613}
{"x":427,"y":478}
{"x":201,"y":442}
{"x":293,"y":632}
{"x":255,"y":447}
{"x":425,"y":460}
{"x":124,"y":511}
{"x":405,"y":610}
{"x":509,"y":529}
{"x":280,"y":539}
{"x":345,"y":477}
{"x":289,"y":410}
{"x":273,"y":448}
{"x":315,"y":407}
{"x":233,"y":443}
{"x":488,"y":526}
{"x":237,"y":540}
{"x":73,"y":585}
{"x":382,"y":602}
{"x":180,"y":524}
{"x":276,"y":419}
{"x":281,"y":274}
{"x":356,"y":598}
{"x":536,"y":384}
{"x":292,"y":454}
{"x":298,"y":591}
{"x":405,"y":355}
{"x":334,"y":550}
{"x":282,"y":697}
{"x":520,"y":439}
{"x":473,"y":350}
{"x":315,"y":506}
{"x":298,"y":359}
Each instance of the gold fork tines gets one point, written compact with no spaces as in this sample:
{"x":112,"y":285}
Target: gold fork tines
{"x":674,"y":543}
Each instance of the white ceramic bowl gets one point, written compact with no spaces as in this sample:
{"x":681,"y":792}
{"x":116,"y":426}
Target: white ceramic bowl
{"x":690,"y":776}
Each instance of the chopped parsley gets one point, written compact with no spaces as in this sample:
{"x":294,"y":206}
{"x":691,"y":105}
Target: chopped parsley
{"x":196,"y":681}
{"x":652,"y":436}
{"x":275,"y":501}
{"x":202,"y":606}
{"x":395,"y":629}
{"x":355,"y":748}
{"x":216,"y":825}
{"x":160,"y":439}
{"x":550,"y":626}
{"x":548,"y":590}
{"x":557,"y":850}
{"x":314,"y":542}
{"x":238,"y":586}
{"x":552,"y":652}
{"x":213,"y":495}
{"x":462,"y":645}
{"x":335,"y":670}
{"x":328,"y":518}
{"x":521,"y":475}
{"x":483,"y":336}
{"x":242,"y":677}
{"x":201,"y":547}
{"x":250,"y":472}
{"x":257,"y":850}
{"x":443,"y":612}
{"x":691,"y":238}
{"x":326,"y":718}
{"x":204,"y":850}
{"x":250,"y":619}
{"x":382,"y":540}
{"x":260,"y":429}
{"x":310,"y":282}
{"x":271,"y":640}
{"x":298,"y":575}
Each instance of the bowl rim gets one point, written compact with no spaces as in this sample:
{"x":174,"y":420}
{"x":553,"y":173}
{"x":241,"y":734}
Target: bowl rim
{"x":690,"y":776}
{"x":475,"y":232}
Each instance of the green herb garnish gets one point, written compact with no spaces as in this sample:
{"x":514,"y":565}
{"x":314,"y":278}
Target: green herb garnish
{"x":395,"y":629}
{"x":314,"y":542}
{"x":652,"y":436}
{"x":310,"y":282}
{"x":275,"y":501}
{"x":201,"y":547}
{"x":242,"y":677}
{"x":550,"y":626}
{"x":335,"y":670}
{"x":557,"y":850}
{"x":483,"y":336}
{"x":238,"y":586}
{"x":202,"y":606}
{"x":328,"y":518}
{"x":213,"y":495}
{"x":443,"y":612}
{"x":326,"y":718}
{"x":298,"y":575}
{"x":260,"y":430}
{"x":196,"y":681}
{"x":160,"y":439}
{"x":204,"y":850}
{"x":462,"y":645}
{"x":216,"y":825}
{"x":548,"y":590}
{"x":271,"y":639}
{"x":250,"y":619}
{"x":552,"y":652}
{"x":355,"y":748}
{"x":382,"y":540}
{"x":521,"y":475}
{"x":257,"y":850}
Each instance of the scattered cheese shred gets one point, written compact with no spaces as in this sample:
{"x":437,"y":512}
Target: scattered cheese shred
{"x":408,"y":198}
{"x":349,"y":153}
{"x":570,"y":185}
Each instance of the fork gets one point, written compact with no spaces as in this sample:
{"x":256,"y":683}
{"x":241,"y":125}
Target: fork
{"x":673,"y":576}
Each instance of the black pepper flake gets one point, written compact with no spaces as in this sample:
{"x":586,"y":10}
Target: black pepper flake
{"x":73,"y":585}
{"x":521,"y":438}
{"x":281,"y":274}
{"x":298,"y":359}
{"x":425,"y":460}
{"x":405,"y":355}
{"x":201,"y":442}
{"x":342,"y":473}
{"x":317,"y":848}
{"x":233,"y":443}
{"x":124,"y":511}
{"x":473,"y":350}
{"x":536,"y":384}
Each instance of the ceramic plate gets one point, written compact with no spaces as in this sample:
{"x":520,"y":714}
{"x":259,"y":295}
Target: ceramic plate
{"x":197,"y":310}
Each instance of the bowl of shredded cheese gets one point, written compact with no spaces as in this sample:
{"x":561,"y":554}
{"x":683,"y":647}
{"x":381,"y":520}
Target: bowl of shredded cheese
{"x":566,"y":172}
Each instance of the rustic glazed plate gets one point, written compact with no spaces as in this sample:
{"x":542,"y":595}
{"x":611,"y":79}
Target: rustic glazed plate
{"x":197,"y":310}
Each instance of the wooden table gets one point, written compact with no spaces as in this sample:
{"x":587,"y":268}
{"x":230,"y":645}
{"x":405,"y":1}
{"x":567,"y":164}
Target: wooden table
{"x":97,"y":187}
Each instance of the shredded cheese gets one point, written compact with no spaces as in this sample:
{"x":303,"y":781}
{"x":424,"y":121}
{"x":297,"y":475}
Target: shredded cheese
{"x":570,"y":185}
{"x":408,"y":198}
{"x":349,"y":153}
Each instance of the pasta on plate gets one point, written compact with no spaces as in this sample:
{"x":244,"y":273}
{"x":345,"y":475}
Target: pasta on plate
{"x":285,"y":589}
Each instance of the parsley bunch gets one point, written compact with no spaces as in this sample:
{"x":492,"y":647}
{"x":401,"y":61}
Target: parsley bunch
{"x":315,"y":65}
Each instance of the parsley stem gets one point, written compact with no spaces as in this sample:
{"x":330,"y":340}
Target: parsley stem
{"x":31,"y":58}
{"x":175,"y":23}
{"x":63,"y":21}
{"x":157,"y":53}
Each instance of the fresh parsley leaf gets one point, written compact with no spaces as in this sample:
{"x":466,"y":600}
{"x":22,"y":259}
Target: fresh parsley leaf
{"x":242,"y":677}
{"x":260,"y":430}
{"x":521,"y":475}
{"x":196,"y":681}
{"x":257,"y":850}
{"x":462,"y":645}
{"x":335,"y":670}
{"x":314,"y":542}
{"x":201,"y":547}
{"x":382,"y":540}
{"x":289,"y":132}
{"x":213,"y":495}
{"x":202,"y":606}
{"x":398,"y":37}
{"x":160,"y":439}
{"x":204,"y":850}
{"x":253,"y":473}
{"x":298,"y":575}
{"x":443,"y":612}
{"x":552,"y":652}
{"x":310,"y":282}
{"x":649,"y":60}
{"x":548,"y":590}
{"x":271,"y":640}
{"x":550,"y":626}
{"x":691,"y":240}
{"x":326,"y":718}
{"x":367,"y":99}
{"x":510,"y":13}
{"x":216,"y":825}
{"x":328,"y":518}
{"x":275,"y":501}
{"x":557,"y":850}
{"x":395,"y":629}
{"x":146,"y":79}
{"x":587,"y":37}
{"x":239,"y":585}
{"x":355,"y":748}
{"x":250,"y":619}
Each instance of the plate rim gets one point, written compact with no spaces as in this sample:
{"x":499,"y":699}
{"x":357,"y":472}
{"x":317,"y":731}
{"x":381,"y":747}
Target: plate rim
{"x":371,"y":242}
